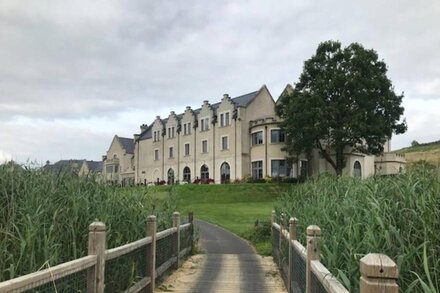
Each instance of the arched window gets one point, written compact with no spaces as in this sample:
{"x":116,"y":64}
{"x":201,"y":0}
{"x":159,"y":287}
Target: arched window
{"x":225,"y":172}
{"x":357,"y":170}
{"x":170,"y":176}
{"x":187,"y":174}
{"x":204,"y":173}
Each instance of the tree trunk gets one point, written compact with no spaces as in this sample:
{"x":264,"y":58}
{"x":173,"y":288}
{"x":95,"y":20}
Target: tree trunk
{"x":339,"y":160}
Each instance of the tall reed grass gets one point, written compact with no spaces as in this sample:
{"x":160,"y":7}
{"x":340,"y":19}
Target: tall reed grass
{"x":44,"y":218}
{"x":398,"y":216}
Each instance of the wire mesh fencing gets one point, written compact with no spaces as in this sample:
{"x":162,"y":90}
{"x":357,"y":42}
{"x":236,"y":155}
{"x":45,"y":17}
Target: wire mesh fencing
{"x":126,"y":270}
{"x":316,"y":284}
{"x":298,"y":263}
{"x":186,"y":238}
{"x":164,"y":250}
{"x":76,"y":282}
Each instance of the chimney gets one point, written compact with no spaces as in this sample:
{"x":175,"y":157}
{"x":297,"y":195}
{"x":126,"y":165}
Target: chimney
{"x":144,"y":127}
{"x":157,"y":117}
{"x":205,"y":102}
{"x":188,"y":108}
{"x":172,"y":113}
{"x":226,"y":97}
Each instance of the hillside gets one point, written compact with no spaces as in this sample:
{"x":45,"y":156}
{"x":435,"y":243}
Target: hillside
{"x":429,"y":152}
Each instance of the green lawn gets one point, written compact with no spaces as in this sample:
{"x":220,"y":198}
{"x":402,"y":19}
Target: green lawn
{"x":234,"y":207}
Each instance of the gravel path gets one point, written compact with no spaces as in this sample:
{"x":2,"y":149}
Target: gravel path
{"x":228,"y":264}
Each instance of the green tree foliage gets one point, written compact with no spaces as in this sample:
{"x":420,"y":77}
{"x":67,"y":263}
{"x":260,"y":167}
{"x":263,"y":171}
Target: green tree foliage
{"x":343,"y":100}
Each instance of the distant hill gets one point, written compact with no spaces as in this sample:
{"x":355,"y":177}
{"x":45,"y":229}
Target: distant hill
{"x":429,"y":152}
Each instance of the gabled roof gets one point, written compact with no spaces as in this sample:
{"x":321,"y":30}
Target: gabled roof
{"x":127,"y":144}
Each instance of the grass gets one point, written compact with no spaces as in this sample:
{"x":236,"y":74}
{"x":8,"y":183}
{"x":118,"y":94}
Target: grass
{"x":44,"y":218}
{"x":235,"y":207}
{"x":427,"y":152}
{"x":398,"y":216}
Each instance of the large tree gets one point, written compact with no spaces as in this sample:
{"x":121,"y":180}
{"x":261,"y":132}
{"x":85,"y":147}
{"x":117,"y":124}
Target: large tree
{"x":343,"y":101}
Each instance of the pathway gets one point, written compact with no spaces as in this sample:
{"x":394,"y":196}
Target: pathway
{"x":229,"y":264}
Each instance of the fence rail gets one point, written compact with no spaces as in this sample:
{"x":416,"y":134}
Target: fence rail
{"x":132,"y":267}
{"x":302,"y":271}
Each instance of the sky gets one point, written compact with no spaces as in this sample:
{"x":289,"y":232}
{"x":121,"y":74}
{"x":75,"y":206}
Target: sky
{"x":75,"y":73}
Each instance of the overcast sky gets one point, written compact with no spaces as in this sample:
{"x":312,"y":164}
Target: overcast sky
{"x":74,"y":73}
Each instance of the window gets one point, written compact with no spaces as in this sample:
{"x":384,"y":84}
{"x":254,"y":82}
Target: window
{"x":169,"y":132}
{"x":257,"y":138}
{"x":116,"y":168}
{"x":109,"y":169}
{"x":172,"y":131}
{"x":279,"y":168}
{"x":186,"y":149}
{"x":224,"y":142}
{"x":187,"y":174}
{"x":257,"y":169}
{"x":225,"y":173}
{"x":187,"y":128}
{"x":304,"y":167}
{"x":277,"y":136}
{"x":224,"y":119}
{"x":156,"y":155}
{"x":204,"y":123}
{"x":357,"y":170}
{"x":171,"y":152}
{"x":204,"y":173}
{"x":204,"y":146}
{"x":154,"y":136}
{"x":170,"y":176}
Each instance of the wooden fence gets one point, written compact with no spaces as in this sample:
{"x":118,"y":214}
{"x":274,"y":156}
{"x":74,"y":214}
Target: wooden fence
{"x":302,"y":271}
{"x":133,"y":267}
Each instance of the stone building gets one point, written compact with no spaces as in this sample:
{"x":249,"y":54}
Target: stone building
{"x":118,"y":163}
{"x":233,"y":139}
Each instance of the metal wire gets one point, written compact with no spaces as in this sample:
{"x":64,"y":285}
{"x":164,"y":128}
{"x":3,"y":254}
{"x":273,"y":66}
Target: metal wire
{"x":124,"y":271}
{"x":164,"y":250}
{"x":284,"y":260}
{"x":76,"y":282}
{"x":316,"y":284}
{"x":185,"y":238}
{"x":298,"y":272}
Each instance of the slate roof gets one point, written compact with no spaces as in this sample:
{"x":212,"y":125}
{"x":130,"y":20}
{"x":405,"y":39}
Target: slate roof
{"x":127,"y":144}
{"x":240,"y":101}
{"x":64,"y":165}
{"x":94,"y":166}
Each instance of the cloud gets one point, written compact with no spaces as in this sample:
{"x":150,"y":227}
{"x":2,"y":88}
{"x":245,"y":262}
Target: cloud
{"x":73,"y":61}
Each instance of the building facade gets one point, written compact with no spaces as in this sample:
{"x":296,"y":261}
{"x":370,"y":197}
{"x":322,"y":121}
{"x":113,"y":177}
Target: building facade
{"x":118,"y":163}
{"x":234,"y":139}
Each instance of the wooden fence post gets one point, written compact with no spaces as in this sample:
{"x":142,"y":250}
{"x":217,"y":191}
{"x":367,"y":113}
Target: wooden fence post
{"x":151,"y":257}
{"x":281,"y":234}
{"x":96,"y":246}
{"x":313,"y":252}
{"x":272,"y":219}
{"x":176,"y":240}
{"x":292,"y":236}
{"x":378,"y":274}
{"x":191,"y":221}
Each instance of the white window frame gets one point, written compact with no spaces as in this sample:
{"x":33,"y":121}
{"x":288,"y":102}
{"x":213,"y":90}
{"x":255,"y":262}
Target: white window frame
{"x":262,"y":138}
{"x":223,"y":118}
{"x":171,"y":152}
{"x":189,"y":150}
{"x":204,"y":123}
{"x":270,"y":134}
{"x":227,"y":142}
{"x":156,"y":150}
{"x":203,"y":151}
